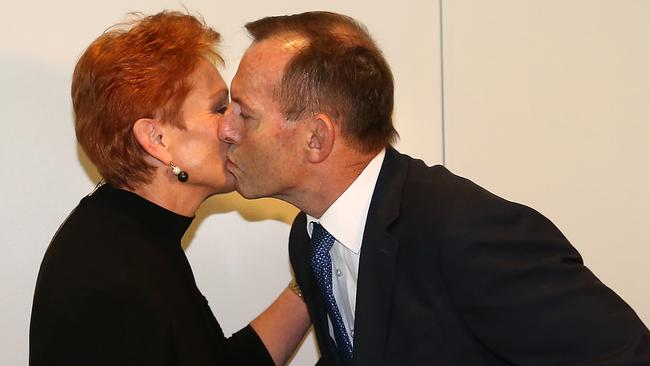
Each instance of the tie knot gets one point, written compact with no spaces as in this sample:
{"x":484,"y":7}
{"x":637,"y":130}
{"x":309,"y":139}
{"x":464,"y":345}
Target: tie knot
{"x":321,"y":239}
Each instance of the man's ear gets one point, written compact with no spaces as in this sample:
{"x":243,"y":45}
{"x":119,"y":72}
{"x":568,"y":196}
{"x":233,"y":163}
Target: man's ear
{"x":322,"y":133}
{"x":150,"y":135}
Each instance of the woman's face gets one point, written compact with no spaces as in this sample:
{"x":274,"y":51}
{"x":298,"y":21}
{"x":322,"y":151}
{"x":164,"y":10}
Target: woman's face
{"x":197,"y":149}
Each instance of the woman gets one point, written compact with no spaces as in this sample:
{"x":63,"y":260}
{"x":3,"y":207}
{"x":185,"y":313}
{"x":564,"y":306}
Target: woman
{"x":115,"y":287}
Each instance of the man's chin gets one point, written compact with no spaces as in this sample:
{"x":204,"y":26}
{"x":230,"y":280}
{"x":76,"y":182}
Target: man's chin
{"x":246,"y":193}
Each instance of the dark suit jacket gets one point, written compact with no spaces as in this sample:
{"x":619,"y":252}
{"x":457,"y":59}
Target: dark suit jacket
{"x":451,"y":274}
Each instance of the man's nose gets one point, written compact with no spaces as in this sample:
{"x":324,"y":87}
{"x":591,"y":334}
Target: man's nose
{"x":230,"y":126}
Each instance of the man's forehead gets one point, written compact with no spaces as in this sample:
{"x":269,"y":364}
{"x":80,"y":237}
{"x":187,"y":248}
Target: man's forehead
{"x":278,"y":47}
{"x":265,"y":61}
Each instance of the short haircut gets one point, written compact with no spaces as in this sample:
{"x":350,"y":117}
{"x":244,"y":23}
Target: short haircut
{"x":138,"y":69}
{"x":340,"y":72}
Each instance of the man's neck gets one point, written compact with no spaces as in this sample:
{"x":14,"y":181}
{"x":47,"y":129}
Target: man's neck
{"x":327,"y":182}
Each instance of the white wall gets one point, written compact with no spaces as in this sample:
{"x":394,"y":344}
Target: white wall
{"x":545,"y":104}
{"x":45,"y":174}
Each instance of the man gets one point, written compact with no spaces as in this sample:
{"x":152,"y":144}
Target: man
{"x":400,"y":263}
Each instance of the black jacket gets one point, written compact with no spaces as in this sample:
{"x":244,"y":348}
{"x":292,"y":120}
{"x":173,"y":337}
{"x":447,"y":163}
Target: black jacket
{"x":450,"y":274}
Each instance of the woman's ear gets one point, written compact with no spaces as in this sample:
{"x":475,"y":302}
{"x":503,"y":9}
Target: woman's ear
{"x":322,"y":133}
{"x":150,"y":135}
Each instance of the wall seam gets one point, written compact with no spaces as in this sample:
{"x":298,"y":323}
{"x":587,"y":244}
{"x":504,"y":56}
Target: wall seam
{"x":442,"y":85}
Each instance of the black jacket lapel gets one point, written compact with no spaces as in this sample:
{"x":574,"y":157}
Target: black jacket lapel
{"x":377,"y":263}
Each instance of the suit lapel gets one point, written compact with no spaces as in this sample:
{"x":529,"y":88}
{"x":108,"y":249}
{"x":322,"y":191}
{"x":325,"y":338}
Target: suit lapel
{"x":377,"y":263}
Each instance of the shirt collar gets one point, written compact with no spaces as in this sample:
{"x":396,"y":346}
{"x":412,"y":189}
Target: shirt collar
{"x":345,"y":219}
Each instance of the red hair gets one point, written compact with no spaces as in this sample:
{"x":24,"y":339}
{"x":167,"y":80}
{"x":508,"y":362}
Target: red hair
{"x":135,"y":70}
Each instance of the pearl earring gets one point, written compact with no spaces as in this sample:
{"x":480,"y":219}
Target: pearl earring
{"x":180,"y":174}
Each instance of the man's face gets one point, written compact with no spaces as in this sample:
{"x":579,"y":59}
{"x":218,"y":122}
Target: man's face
{"x":266,"y":153}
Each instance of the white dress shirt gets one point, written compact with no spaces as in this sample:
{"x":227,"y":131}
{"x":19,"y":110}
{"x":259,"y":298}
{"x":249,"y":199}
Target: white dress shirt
{"x":345,"y":219}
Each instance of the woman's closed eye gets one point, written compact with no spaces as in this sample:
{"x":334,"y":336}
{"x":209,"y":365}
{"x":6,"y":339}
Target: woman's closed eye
{"x":220,"y":105}
{"x":221,"y":109}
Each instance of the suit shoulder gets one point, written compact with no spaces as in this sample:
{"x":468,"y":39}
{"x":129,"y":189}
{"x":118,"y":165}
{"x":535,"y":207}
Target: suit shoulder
{"x":438,"y":194}
{"x":441,"y":185}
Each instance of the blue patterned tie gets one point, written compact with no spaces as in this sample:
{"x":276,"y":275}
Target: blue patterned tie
{"x":321,"y":264}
